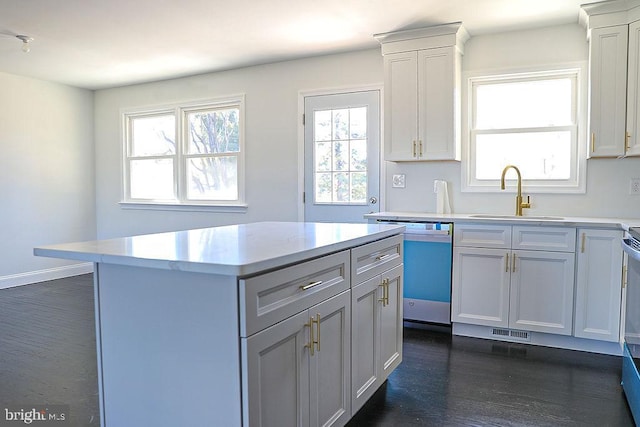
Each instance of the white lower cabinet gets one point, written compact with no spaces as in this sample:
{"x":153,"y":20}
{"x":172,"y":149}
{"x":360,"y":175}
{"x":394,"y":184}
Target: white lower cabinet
{"x":507,"y":287}
{"x":376,"y":333}
{"x":598,"y":284}
{"x":481,"y":280}
{"x":298,"y":372}
{"x":541,"y":296}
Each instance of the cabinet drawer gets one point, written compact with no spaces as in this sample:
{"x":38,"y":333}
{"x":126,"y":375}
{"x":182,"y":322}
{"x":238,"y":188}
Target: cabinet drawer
{"x":557,"y":239}
{"x":482,"y":236}
{"x":374,"y":258}
{"x":270,"y":298}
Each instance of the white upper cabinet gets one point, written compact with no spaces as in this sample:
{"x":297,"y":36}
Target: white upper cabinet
{"x":422,"y":93}
{"x":632,"y":147}
{"x":614,"y":80}
{"x":401,"y":106}
{"x":608,"y":77}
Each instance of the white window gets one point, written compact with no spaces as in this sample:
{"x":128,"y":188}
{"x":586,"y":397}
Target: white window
{"x":530,"y":120}
{"x":186,"y":155}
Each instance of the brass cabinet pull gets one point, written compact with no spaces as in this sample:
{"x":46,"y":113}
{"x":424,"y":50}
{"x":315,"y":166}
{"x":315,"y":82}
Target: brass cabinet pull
{"x":414,"y":148}
{"x":584,"y":237}
{"x":310,"y":285}
{"x":506,"y":264}
{"x":513,"y":269}
{"x":420,"y":144}
{"x":385,"y":293}
{"x":312,"y":339}
{"x":593,"y":142}
{"x":315,"y":340}
{"x":318,"y":327}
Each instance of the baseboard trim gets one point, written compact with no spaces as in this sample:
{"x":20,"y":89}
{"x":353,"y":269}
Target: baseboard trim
{"x":44,"y":275}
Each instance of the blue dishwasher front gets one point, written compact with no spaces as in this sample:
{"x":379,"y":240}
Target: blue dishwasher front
{"x":427,"y":272}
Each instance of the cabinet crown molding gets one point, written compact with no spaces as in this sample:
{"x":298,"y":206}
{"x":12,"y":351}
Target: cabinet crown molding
{"x":451,"y":34}
{"x":609,"y":13}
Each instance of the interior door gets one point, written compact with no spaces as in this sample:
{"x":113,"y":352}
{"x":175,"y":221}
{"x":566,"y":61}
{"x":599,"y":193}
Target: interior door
{"x":342,"y":156}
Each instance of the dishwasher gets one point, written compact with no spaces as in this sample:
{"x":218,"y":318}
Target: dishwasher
{"x":427,"y":259}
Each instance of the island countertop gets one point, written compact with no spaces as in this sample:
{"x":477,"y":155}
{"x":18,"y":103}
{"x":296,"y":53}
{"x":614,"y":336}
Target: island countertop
{"x":234,"y":250}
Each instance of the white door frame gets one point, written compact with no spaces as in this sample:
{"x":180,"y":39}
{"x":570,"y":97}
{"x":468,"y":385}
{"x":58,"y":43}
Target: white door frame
{"x":333,"y":91}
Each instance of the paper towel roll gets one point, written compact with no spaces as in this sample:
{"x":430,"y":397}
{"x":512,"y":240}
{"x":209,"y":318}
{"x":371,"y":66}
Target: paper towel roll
{"x":442,"y":197}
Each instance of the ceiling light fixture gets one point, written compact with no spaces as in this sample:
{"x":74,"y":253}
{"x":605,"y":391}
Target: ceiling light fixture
{"x":25,"y":42}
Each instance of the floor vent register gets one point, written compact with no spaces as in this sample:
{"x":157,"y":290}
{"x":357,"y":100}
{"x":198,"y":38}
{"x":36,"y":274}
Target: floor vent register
{"x":510,"y":333}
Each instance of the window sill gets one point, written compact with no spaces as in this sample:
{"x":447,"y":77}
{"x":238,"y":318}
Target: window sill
{"x":185,"y":207}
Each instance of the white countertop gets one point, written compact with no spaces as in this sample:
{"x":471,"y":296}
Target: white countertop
{"x":616,"y":223}
{"x":236,"y":250}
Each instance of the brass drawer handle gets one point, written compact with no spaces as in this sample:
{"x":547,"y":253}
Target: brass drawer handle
{"x":310,"y":285}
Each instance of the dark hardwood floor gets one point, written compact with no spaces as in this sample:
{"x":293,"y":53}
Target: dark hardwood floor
{"x":47,"y":355}
{"x":459,"y":381}
{"x":48,"y":348}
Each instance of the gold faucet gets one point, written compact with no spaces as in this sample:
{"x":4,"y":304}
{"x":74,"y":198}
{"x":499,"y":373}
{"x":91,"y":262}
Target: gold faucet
{"x":519,"y":204}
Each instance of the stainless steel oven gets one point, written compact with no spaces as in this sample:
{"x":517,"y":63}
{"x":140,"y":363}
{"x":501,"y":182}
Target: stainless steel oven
{"x":631,"y":356}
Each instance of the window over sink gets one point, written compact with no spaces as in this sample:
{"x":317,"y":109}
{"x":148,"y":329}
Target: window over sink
{"x":535,"y":120}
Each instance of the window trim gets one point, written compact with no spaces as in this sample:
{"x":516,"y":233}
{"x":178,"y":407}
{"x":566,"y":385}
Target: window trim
{"x":577,"y":181}
{"x":180,"y":111}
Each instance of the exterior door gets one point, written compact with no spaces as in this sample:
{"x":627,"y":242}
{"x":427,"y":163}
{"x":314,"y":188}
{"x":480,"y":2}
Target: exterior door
{"x":342,"y":156}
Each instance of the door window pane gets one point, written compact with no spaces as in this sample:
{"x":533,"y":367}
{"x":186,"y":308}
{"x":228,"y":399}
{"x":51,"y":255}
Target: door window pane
{"x":323,"y":188}
{"x":322,"y":125}
{"x":340,"y":156}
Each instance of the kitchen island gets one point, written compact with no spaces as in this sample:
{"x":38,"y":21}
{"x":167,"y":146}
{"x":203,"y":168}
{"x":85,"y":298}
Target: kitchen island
{"x":222,"y":326}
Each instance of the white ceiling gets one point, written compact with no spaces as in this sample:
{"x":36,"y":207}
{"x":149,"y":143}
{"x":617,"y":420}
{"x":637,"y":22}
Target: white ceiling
{"x":105,"y":43}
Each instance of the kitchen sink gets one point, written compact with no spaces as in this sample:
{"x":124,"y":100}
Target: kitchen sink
{"x":490,"y":216}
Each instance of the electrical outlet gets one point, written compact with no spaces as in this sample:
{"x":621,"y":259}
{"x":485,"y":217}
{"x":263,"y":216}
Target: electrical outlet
{"x":398,"y":181}
{"x":634,"y":186}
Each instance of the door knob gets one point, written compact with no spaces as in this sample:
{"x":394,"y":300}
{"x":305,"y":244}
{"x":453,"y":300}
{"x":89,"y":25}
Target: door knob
{"x":373,"y":200}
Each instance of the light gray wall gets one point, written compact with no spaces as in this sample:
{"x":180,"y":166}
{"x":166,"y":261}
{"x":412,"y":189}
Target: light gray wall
{"x":607,"y":192}
{"x":46,"y":170}
{"x":272,"y":138}
{"x":271,"y":126}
